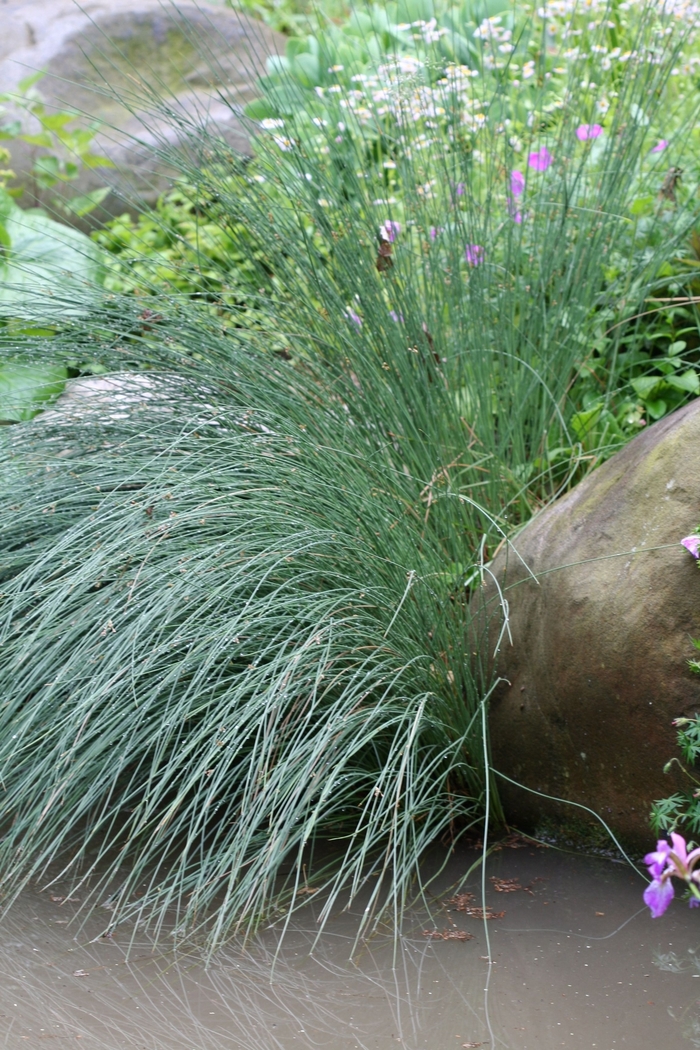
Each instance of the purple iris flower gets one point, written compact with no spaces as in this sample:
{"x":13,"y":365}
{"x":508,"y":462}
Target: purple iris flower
{"x":683,"y":861}
{"x":474,"y":254}
{"x":540,"y":160}
{"x":517,"y":183}
{"x":390,"y":230}
{"x":355,"y":318}
{"x":660,"y":146}
{"x":656,"y":862}
{"x":658,"y":896}
{"x":692,"y":544}
{"x":396,"y":317}
{"x":588,"y":131}
{"x":667,"y":862}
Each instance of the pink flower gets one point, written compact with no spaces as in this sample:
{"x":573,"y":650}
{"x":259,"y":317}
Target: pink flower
{"x":514,"y":212}
{"x":355,"y":318}
{"x":390,"y":230}
{"x":434,"y":231}
{"x":540,"y":160}
{"x":692,"y":544}
{"x":517,"y":182}
{"x":474,"y":254}
{"x":660,"y":146}
{"x":588,"y":131}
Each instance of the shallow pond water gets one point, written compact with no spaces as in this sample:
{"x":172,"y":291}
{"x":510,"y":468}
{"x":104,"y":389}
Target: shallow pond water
{"x":577,"y":962}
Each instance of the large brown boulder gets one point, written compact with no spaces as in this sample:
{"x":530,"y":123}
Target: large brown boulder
{"x":598,"y":665}
{"x":202,"y":57}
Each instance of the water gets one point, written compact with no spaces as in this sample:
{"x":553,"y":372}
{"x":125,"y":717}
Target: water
{"x":576,"y":962}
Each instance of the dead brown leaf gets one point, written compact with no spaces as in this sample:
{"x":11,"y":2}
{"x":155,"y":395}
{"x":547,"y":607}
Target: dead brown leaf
{"x":484,"y":913}
{"x":505,"y":885}
{"x":462,"y":902}
{"x":448,"y":935}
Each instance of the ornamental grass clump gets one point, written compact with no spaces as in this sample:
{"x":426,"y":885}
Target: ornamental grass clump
{"x":236,"y":622}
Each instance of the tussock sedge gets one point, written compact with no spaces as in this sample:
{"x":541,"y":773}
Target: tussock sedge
{"x":238,"y":664}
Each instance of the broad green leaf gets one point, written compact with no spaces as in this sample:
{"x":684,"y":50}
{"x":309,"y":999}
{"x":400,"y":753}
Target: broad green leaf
{"x":277,"y":65}
{"x":27,"y":388}
{"x":657,"y":408}
{"x":96,"y":160}
{"x":686,"y":381}
{"x":56,"y":121}
{"x":85,"y":203}
{"x":259,"y":109}
{"x":48,"y":165}
{"x":306,"y":69}
{"x":583,"y":422}
{"x":33,"y":78}
{"x":295,"y":47}
{"x":10,"y":131}
{"x":645,"y":386}
{"x":42,"y":139}
{"x":642,"y":205}
{"x":51,"y":270}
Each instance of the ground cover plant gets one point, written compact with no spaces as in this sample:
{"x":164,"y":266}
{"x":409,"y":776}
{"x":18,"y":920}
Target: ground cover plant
{"x":238,"y":604}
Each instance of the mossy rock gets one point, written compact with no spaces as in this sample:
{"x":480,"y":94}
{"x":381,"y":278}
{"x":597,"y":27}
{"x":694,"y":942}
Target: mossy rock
{"x":119,"y":61}
{"x":601,"y":637}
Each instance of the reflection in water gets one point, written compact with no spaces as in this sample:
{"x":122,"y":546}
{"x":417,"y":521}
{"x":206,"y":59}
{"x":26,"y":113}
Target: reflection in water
{"x":689,"y":1018}
{"x":570,"y":966}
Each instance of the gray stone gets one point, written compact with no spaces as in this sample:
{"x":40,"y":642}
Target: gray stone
{"x":118,"y":61}
{"x":598,"y":665}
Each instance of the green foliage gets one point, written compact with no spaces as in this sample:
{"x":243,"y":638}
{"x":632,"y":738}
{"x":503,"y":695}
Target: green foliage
{"x":239,"y":594}
{"x":27,"y":388}
{"x":45,"y":267}
{"x":66,"y":149}
{"x":183,"y":246}
{"x":294,"y":16}
{"x":682,"y":810}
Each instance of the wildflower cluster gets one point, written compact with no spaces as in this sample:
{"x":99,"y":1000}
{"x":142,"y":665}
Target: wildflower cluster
{"x":378,"y":67}
{"x":473,"y":89}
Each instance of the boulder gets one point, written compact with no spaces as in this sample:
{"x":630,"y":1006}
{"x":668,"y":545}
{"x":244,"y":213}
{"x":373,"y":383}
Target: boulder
{"x":115,"y":59}
{"x":601,"y":637}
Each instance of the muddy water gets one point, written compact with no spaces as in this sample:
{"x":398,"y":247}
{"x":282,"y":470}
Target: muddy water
{"x":576,"y":962}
